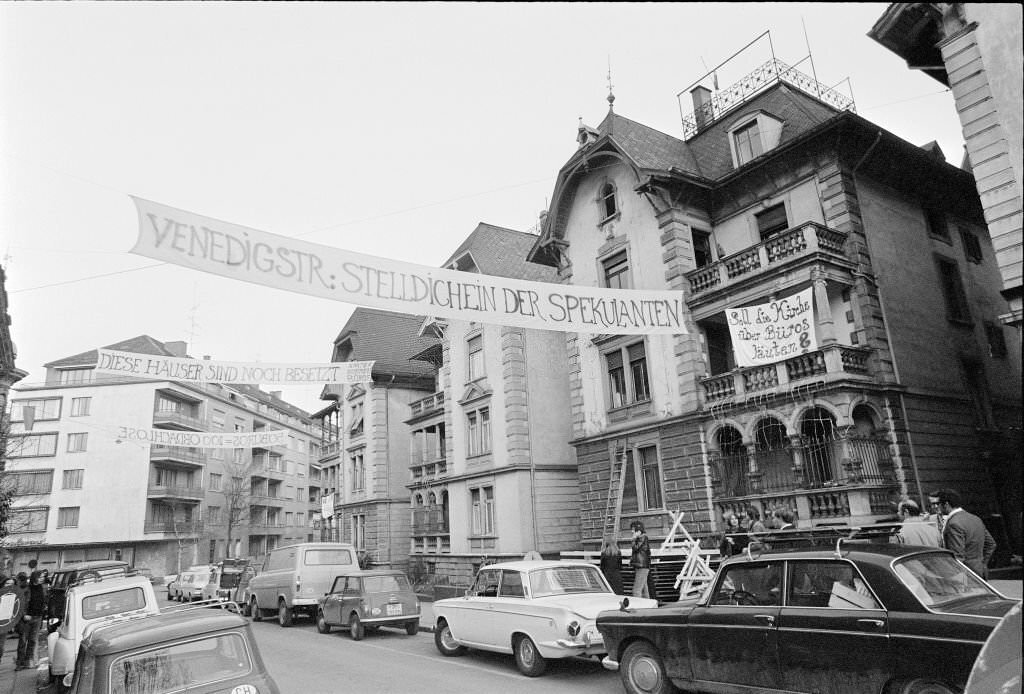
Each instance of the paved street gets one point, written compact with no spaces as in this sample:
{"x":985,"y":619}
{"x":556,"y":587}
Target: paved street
{"x":391,"y":661}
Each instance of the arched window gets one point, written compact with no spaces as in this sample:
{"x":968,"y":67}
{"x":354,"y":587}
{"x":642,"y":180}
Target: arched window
{"x":864,"y":421}
{"x":772,"y":455}
{"x":609,"y":205}
{"x":818,"y":431}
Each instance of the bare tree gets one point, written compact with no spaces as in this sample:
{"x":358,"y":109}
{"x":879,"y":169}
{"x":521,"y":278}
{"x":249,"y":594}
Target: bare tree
{"x":238,"y":498}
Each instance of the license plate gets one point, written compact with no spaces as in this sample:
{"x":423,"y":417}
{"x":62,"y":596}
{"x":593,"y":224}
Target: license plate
{"x":394,"y":609}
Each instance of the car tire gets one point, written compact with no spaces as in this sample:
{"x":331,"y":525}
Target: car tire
{"x":321,"y":623}
{"x":445,"y":641}
{"x":356,"y":628}
{"x":412,"y":628}
{"x":254,"y":609}
{"x":643,"y":670}
{"x":284,"y":614}
{"x":923,"y":686}
{"x":528,"y":659}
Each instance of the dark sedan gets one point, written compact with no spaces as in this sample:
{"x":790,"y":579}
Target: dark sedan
{"x":856,"y":618}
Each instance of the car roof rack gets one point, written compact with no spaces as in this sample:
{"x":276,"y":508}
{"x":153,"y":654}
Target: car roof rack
{"x":98,"y":575}
{"x":229,"y":605}
{"x":822,"y":535}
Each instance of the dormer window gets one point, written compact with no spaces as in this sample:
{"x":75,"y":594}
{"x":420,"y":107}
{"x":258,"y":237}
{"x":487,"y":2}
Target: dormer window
{"x":752,"y":136}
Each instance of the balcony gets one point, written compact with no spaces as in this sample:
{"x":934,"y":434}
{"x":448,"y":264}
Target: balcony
{"x":830,"y":363}
{"x":809,"y":240}
{"x":181,"y":455}
{"x":429,"y":521}
{"x":427,"y":406}
{"x":187,"y":493}
{"x":178,"y":419}
{"x":176,"y":528}
{"x":329,"y":451}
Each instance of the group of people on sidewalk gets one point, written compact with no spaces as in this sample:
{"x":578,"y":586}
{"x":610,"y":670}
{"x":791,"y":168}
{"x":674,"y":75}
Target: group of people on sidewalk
{"x":948,"y":525}
{"x":23,"y":605}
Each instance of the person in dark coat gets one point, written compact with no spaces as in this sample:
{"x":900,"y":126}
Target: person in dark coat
{"x":640,"y":559}
{"x":35,"y":613}
{"x":736,"y":538}
{"x":965,"y":534}
{"x":611,"y":564}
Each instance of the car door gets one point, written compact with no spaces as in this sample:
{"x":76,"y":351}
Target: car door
{"x":733,"y":636}
{"x":833,"y":632}
{"x":351,"y":598}
{"x":508,"y":613}
{"x":473,"y":622}
{"x":332,"y":601}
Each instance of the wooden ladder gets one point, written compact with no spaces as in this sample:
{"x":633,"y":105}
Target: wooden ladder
{"x":613,"y":507}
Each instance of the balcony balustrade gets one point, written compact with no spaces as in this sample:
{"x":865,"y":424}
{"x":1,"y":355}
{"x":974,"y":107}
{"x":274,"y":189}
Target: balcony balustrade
{"x":329,"y":450}
{"x":427,"y":405}
{"x":179,"y":419}
{"x":183,"y":492}
{"x":177,"y":528}
{"x":177,"y":454}
{"x":836,"y":360}
{"x":429,"y":521}
{"x":805,"y":240}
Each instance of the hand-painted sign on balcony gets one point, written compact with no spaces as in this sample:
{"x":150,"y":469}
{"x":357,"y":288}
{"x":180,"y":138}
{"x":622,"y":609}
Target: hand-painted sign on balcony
{"x":241,"y":253}
{"x":117,"y":363}
{"x":767,"y":333}
{"x":205,"y":439}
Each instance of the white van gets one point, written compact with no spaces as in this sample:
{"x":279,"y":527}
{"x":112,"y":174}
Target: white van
{"x":294,"y":578}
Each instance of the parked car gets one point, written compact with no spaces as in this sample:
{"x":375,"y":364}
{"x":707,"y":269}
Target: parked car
{"x":858,"y":617}
{"x":294,"y":578}
{"x":64,"y":577}
{"x":998,"y":667}
{"x":163,"y":583}
{"x":225,"y":577}
{"x":89,"y":601}
{"x":533,"y":609}
{"x":201,"y":651}
{"x":369,"y":600}
{"x":190,"y":584}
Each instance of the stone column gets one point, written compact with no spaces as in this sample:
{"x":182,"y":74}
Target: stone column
{"x":826,"y":326}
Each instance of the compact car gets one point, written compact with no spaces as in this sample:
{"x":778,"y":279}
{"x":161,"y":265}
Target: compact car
{"x":194,"y":650}
{"x":535,"y":610}
{"x":91,"y":601}
{"x":65,"y":577}
{"x":190,"y":584}
{"x":860,"y":617}
{"x":163,"y":583}
{"x":369,"y":600}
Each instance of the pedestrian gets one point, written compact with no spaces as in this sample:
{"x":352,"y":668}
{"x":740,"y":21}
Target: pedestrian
{"x":611,"y":564}
{"x":7,"y":585}
{"x":914,"y":528}
{"x":640,"y":559}
{"x":736,"y":538}
{"x":783,"y":519}
{"x":756,"y":525}
{"x":35,"y":613}
{"x":934,"y":516}
{"x":965,"y":534}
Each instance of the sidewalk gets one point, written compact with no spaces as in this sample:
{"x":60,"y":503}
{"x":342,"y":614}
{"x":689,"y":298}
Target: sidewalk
{"x":20,"y":681}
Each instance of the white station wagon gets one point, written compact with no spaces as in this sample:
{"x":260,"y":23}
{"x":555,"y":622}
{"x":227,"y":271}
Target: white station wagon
{"x":534,"y":609}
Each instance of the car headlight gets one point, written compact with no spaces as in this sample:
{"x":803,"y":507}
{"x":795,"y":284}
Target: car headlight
{"x":375,"y":611}
{"x":573,"y":629}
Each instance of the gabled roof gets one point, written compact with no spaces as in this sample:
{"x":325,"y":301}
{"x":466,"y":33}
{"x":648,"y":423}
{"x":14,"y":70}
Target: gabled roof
{"x":143,"y":344}
{"x":502,"y":252}
{"x":388,"y":339}
{"x":650,"y":149}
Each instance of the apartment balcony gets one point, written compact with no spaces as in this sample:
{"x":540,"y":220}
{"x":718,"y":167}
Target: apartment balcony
{"x":428,"y":470}
{"x":427,"y":406}
{"x":329,"y":452}
{"x":808,"y":242}
{"x":262,"y":469}
{"x":177,"y":456}
{"x":429,"y":521}
{"x":185,"y":493}
{"x":830,"y":363}
{"x":189,"y":528}
{"x":177,"y":419}
{"x":266,"y":525}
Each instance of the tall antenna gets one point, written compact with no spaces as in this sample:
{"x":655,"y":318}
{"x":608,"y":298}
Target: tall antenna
{"x":814,"y":74}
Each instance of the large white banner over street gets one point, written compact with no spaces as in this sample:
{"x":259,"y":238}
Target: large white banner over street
{"x":205,"y":439}
{"x":117,"y":363}
{"x":221,"y":248}
{"x":767,"y":333}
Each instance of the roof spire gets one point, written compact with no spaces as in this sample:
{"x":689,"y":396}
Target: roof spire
{"x":611,"y":96}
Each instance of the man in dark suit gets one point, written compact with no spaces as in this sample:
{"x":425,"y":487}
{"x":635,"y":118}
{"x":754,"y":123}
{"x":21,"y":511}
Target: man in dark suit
{"x":965,"y":534}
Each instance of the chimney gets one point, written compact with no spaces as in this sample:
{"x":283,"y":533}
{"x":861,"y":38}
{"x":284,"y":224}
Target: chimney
{"x":178,"y":348}
{"x":702,"y":112}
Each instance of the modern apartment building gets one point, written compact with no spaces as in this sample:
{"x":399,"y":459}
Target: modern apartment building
{"x":84,"y":492}
{"x":777,"y":190}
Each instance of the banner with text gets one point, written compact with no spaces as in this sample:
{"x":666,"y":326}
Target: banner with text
{"x":767,"y":333}
{"x":221,"y":248}
{"x":205,"y":439}
{"x":117,"y":363}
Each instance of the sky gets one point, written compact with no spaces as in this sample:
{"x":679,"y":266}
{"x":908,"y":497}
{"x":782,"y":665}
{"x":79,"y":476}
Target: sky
{"x":390,"y":129}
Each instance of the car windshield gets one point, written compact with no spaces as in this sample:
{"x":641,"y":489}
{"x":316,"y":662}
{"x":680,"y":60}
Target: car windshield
{"x":96,"y":606}
{"x":383,"y":584}
{"x":561,"y":580}
{"x":938,"y":580}
{"x":182,"y":665}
